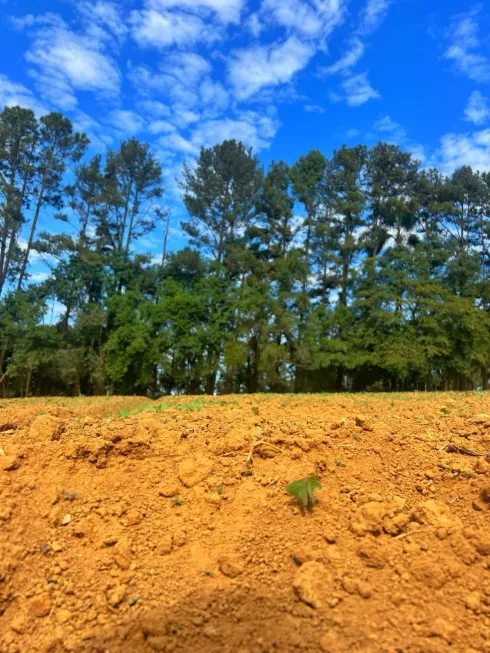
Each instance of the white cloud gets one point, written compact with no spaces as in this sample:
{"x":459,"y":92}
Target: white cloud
{"x":160,"y":127}
{"x":392,"y":129}
{"x":262,"y":66}
{"x":471,"y":149}
{"x":14,"y":94}
{"x":64,"y":61}
{"x":105,"y":14}
{"x":128,"y":122}
{"x":254,"y":129}
{"x":348,"y":59}
{"x":463,"y":37}
{"x":225,"y":10}
{"x":356,"y":90}
{"x":372,"y":15}
{"x":313,"y":108}
{"x":312,"y":19}
{"x":151,"y":28}
{"x":477,"y":110}
{"x":213,"y":96}
{"x":254,"y":24}
{"x":155,"y":108}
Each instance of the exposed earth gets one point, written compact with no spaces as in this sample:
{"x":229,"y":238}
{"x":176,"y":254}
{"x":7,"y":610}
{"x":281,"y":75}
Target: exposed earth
{"x":130,"y":526}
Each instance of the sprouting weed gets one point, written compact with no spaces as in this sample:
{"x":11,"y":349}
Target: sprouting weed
{"x":304,"y":490}
{"x":176,"y":500}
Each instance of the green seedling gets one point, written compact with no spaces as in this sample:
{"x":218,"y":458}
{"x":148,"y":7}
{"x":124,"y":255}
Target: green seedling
{"x":304,"y":490}
{"x":255,"y":410}
{"x":176,"y":500}
{"x":356,"y":436}
{"x":208,"y":573}
{"x":134,"y":599}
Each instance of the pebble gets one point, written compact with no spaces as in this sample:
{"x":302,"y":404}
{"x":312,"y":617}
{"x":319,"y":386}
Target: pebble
{"x":40,"y":606}
{"x":66,"y":520}
{"x":231,"y":565}
{"x":133,"y":518}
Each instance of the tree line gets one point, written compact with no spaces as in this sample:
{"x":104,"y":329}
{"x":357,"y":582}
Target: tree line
{"x":363,"y":271}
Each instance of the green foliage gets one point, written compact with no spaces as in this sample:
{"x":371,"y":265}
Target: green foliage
{"x":358,"y":272}
{"x":304,"y":490}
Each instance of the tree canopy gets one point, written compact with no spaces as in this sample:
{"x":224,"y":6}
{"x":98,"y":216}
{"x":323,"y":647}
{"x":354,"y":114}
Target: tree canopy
{"x":362,"y":271}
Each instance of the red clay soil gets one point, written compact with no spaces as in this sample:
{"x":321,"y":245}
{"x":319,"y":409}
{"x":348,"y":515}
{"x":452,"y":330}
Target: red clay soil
{"x":172,"y":530}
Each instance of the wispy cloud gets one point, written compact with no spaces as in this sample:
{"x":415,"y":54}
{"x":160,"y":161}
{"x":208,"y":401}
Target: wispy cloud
{"x":463,"y":48}
{"x":250,"y":70}
{"x":348,"y":60}
{"x":64,"y":61}
{"x":13,"y":94}
{"x":478,"y":109}
{"x":355,"y":90}
{"x":314,"y":19}
{"x":390,"y":131}
{"x":126,"y":121}
{"x":372,"y":15}
{"x":471,"y":149}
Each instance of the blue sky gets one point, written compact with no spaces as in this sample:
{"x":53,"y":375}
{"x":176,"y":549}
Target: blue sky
{"x":284,"y":76}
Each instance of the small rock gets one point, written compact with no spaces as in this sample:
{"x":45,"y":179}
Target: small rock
{"x":66,"y":520}
{"x":133,"y":518}
{"x":312,"y":583}
{"x":57,"y":547}
{"x":481,"y":466}
{"x":40,"y":606}
{"x":481,"y":542}
{"x":331,"y":537}
{"x":364,"y":589}
{"x":116,"y":596}
{"x":62,"y":616}
{"x":169,"y":490}
{"x":231,"y":565}
{"x":9,"y":463}
{"x":472,"y":601}
{"x":165,"y":545}
{"x":19,"y":623}
{"x":122,"y":560}
{"x":364,"y":423}
{"x":303,"y":554}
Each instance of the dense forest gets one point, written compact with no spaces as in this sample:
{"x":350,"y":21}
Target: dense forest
{"x":363,"y":271}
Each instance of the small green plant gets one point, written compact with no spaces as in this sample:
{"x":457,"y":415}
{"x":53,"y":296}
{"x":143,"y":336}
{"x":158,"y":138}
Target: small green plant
{"x":255,"y":410}
{"x":304,"y":490}
{"x":356,"y":436}
{"x":219,"y":488}
{"x":176,"y":500}
{"x":444,"y":411}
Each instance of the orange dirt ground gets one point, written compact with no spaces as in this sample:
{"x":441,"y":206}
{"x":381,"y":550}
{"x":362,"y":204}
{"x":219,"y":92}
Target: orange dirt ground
{"x":153,"y":532}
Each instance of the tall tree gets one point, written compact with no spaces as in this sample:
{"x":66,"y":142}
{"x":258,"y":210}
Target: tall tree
{"x":18,"y":144}
{"x":58,"y":146}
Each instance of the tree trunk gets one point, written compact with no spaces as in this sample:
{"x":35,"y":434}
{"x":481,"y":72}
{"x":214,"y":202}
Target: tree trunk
{"x":33,"y":231}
